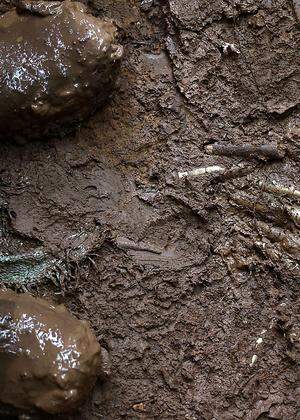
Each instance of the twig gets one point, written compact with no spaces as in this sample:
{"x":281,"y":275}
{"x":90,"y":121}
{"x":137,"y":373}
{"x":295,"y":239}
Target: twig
{"x":278,"y":212}
{"x":266,"y":151}
{"x":279,"y":189}
{"x":236,"y":171}
{"x":201,"y":171}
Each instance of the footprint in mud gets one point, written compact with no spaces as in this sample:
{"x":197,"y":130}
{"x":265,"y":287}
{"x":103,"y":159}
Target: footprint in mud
{"x":57,"y":214}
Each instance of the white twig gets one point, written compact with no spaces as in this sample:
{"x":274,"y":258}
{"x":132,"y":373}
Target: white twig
{"x":253,"y":360}
{"x":201,"y":171}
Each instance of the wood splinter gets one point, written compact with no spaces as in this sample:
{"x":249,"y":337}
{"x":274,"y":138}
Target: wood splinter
{"x":271,"y":151}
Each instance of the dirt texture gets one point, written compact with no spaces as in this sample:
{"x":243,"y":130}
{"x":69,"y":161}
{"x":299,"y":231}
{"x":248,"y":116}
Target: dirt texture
{"x":190,"y":282}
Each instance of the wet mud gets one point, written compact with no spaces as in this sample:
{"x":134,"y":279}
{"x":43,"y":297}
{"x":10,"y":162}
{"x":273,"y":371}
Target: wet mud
{"x":48,"y":359}
{"x":190,"y":282}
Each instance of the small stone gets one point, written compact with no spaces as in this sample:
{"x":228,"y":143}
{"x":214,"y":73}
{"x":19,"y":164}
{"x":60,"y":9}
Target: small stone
{"x":139,"y":407}
{"x":49,"y":359}
{"x":230,"y":49}
{"x":259,"y":341}
{"x":253,"y":360}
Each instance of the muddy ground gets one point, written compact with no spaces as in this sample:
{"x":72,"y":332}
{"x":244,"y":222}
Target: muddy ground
{"x":191,"y":284}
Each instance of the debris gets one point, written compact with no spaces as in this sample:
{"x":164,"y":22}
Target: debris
{"x":258,"y":20}
{"x":139,"y":407}
{"x":288,"y":242}
{"x":236,"y":171}
{"x":265,"y":151}
{"x":125,"y":243}
{"x":146,"y":5}
{"x":278,"y":189}
{"x":259,"y":341}
{"x":279,"y":212}
{"x":201,"y":171}
{"x":230,"y":48}
{"x":253,"y":360}
{"x":294,"y":212}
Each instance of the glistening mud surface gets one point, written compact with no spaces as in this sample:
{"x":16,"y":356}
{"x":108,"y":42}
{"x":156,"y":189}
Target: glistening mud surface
{"x":48,"y":359}
{"x":58,"y":63}
{"x":191,"y":284}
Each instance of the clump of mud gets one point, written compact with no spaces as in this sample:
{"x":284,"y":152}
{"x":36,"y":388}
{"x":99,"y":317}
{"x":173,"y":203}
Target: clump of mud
{"x":58,"y":64}
{"x":49,"y":360}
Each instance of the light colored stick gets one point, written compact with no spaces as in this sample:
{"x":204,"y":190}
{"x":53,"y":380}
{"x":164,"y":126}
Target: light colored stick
{"x":201,"y":171}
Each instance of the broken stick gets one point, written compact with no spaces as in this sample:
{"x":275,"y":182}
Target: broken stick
{"x":280,"y":190}
{"x":201,"y":171}
{"x":280,"y":212}
{"x":271,"y":151}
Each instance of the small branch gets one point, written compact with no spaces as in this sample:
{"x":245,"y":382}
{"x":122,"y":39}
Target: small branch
{"x":270,"y":151}
{"x":279,"y":189}
{"x":222,"y":173}
{"x":280,"y":213}
{"x":236,"y":171}
{"x":201,"y":171}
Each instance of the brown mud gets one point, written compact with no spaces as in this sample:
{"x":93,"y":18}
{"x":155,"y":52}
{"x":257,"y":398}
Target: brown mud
{"x":48,"y":359}
{"x":191,"y":284}
{"x":58,"y":63}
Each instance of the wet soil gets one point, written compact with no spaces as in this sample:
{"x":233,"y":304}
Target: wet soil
{"x":49,"y":360}
{"x":58,"y":64}
{"x":192,"y":290}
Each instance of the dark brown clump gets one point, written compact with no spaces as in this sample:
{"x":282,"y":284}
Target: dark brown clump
{"x":48,"y":359}
{"x":58,"y":64}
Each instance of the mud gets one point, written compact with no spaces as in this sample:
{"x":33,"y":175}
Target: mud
{"x":191,"y":289}
{"x":58,"y":63}
{"x":48,"y":359}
